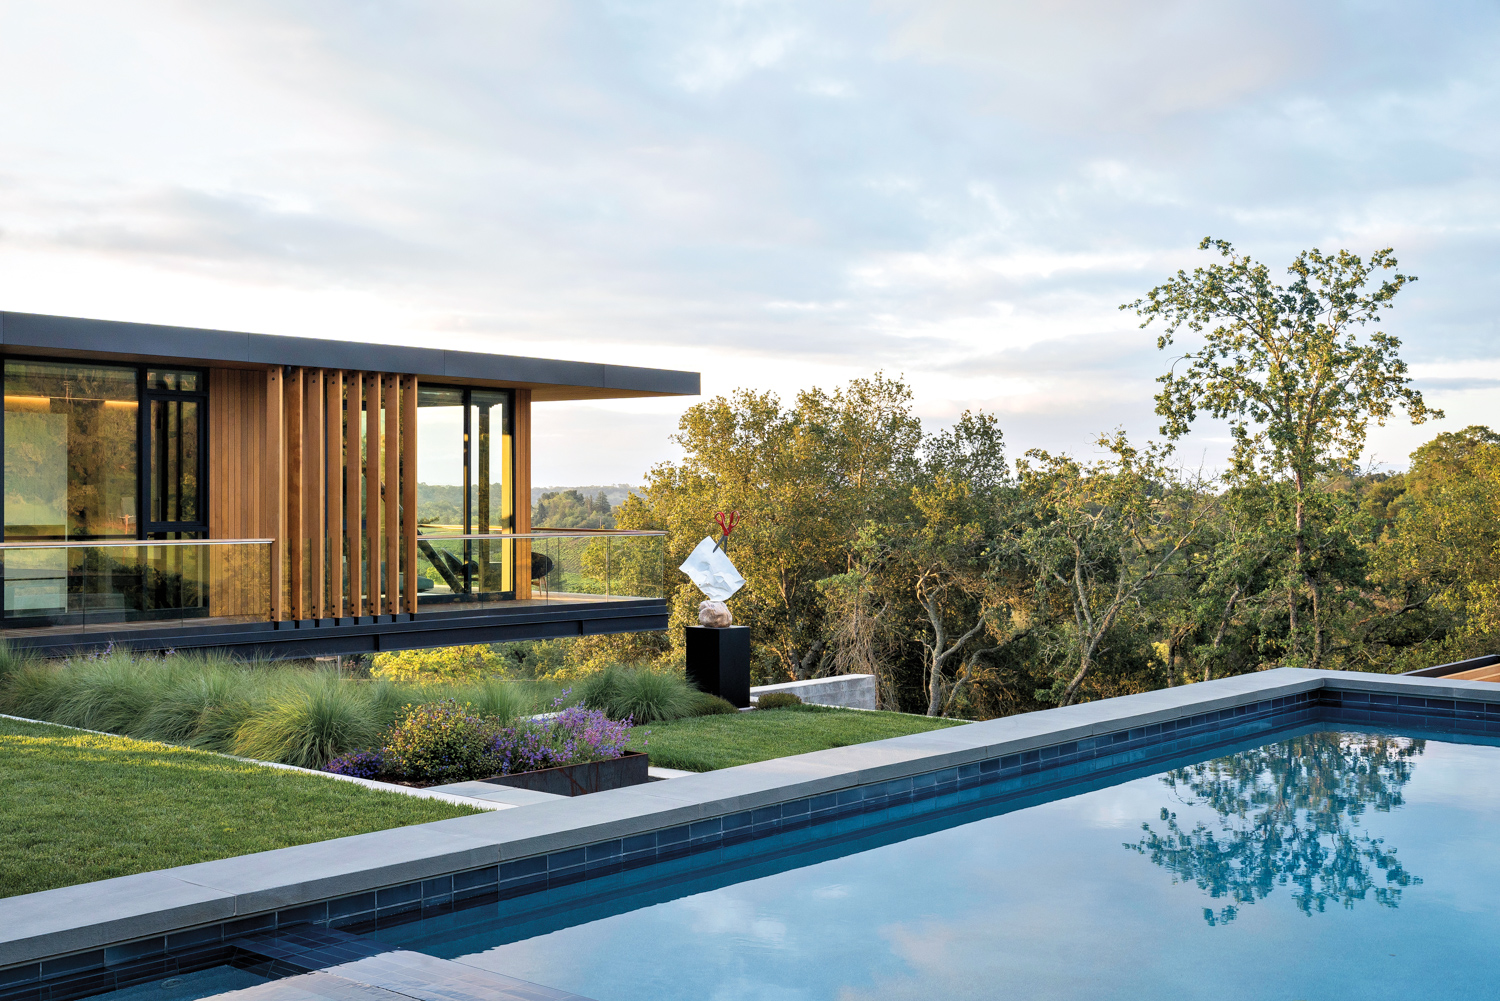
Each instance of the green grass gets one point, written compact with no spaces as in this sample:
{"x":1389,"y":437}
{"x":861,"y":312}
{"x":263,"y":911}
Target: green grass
{"x":703,"y":743}
{"x":77,"y":806}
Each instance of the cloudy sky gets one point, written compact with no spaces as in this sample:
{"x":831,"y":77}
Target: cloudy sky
{"x":774,"y":194}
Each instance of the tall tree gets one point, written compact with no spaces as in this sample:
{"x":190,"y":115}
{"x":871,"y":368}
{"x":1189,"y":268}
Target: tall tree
{"x":1289,"y":367}
{"x":1100,"y":536}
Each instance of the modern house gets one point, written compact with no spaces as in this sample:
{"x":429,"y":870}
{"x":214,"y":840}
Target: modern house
{"x":169,"y":487}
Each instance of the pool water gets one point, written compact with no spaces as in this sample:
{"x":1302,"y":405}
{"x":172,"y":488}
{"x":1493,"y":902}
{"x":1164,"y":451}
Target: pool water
{"x":1329,"y":864}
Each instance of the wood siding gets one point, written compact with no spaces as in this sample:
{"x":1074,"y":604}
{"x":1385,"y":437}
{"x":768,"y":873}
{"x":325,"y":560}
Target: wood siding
{"x":325,"y":462}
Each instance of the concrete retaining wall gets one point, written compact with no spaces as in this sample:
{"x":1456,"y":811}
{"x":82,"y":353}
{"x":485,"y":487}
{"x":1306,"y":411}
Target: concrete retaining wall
{"x":852,"y":691}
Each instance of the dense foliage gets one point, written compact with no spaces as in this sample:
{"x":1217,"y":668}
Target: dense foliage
{"x":973,"y":585}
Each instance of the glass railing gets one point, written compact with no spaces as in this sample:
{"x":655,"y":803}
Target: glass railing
{"x":82,"y":586}
{"x":559,"y":566}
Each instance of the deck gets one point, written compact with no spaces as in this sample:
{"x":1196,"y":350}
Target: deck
{"x":553,"y":616}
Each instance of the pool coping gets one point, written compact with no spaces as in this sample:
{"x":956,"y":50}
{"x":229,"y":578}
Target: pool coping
{"x":75,"y":927}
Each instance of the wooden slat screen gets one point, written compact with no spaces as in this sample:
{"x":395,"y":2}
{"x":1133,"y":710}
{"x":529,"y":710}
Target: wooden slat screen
{"x":333,"y":479}
{"x":391,"y":496}
{"x":409,"y":492}
{"x":325,"y":462}
{"x":372,"y":494}
{"x":353,"y":411}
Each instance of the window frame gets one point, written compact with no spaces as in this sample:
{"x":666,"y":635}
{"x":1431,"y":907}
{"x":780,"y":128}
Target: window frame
{"x":467,"y":486}
{"x":156,"y":529}
{"x":143,"y":530}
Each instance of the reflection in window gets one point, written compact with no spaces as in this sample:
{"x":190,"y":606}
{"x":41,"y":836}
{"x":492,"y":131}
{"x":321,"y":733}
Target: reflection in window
{"x":174,"y":460}
{"x":70,"y":451}
{"x":491,"y":502}
{"x":171,"y":380}
{"x":464,"y":487}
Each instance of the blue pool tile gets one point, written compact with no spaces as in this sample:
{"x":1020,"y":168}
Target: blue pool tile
{"x":638,"y":843}
{"x":565,"y":876}
{"x":765,"y":815}
{"x":442,"y":886}
{"x":796,"y":808}
{"x":488,"y":876}
{"x":20,"y":974}
{"x":342,"y":907}
{"x":705,"y":829}
{"x":74,"y":964}
{"x":390,"y":896}
{"x":671,"y":836}
{"x":248,"y":926}
{"x":203,"y":936}
{"x":827,"y":801}
{"x":114,"y":955}
{"x":602,"y":852}
{"x":634,"y":860}
{"x":523,"y":868}
{"x":740,"y":821}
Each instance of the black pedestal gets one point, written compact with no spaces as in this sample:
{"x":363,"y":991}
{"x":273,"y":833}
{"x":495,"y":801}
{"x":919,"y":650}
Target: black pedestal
{"x":718,"y":661}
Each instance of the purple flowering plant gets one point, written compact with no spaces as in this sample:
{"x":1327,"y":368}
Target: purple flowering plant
{"x":360,"y":764}
{"x":445,"y":742}
{"x":568,"y":737}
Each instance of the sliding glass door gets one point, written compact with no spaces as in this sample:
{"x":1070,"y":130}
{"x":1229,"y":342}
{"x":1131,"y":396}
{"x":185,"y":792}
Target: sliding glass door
{"x":465,"y":487}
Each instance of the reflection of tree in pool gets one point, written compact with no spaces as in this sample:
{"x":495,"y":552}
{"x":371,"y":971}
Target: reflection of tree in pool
{"x":1287,"y":816}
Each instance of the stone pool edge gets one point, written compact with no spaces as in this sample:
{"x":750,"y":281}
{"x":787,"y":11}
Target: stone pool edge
{"x":45,"y":933}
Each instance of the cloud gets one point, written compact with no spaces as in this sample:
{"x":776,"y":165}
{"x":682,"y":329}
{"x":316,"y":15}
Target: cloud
{"x":768,"y":191}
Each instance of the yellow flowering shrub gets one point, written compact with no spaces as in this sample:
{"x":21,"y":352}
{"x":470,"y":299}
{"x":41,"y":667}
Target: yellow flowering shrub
{"x":452,"y":663}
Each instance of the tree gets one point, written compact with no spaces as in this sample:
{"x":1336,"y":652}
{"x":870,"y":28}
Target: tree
{"x":804,"y":479}
{"x":1443,"y":537}
{"x":1099,"y":536}
{"x":1288,"y":367}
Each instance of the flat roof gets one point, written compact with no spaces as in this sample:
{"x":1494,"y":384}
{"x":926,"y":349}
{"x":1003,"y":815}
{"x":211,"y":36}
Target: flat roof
{"x":149,"y":343}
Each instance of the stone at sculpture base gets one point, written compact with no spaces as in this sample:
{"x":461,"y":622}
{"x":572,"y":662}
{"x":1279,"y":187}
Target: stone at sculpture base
{"x":714,"y":614}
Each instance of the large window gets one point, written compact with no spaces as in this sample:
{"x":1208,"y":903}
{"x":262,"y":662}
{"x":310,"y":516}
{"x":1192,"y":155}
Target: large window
{"x":465,"y":486}
{"x":84,"y":462}
{"x":70,"y":451}
{"x":74,"y":444}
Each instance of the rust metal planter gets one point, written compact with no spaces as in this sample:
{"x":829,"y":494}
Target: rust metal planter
{"x":578,"y":780}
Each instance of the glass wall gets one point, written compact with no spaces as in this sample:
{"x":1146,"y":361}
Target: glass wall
{"x":75,"y":440}
{"x":465,"y":486}
{"x":492,"y":499}
{"x":71,"y":463}
{"x":176,"y":428}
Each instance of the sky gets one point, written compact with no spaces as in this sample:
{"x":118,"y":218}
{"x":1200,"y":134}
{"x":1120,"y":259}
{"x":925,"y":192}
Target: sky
{"x":776,"y":195}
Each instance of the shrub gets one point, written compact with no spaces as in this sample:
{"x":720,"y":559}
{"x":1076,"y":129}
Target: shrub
{"x":307,"y":723}
{"x":12,"y":661}
{"x":501,"y":701}
{"x":360,"y":764}
{"x":454,"y":663}
{"x":778,"y":700}
{"x":641,"y":695}
{"x":573,"y":736}
{"x":712,"y":705}
{"x":440,"y":742}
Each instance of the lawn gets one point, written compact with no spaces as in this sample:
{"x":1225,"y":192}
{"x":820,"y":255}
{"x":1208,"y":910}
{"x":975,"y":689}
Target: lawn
{"x":77,"y":806}
{"x":703,"y":743}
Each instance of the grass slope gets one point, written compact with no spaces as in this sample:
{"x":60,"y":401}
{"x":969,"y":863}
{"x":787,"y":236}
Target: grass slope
{"x":703,"y":743}
{"x":77,"y":806}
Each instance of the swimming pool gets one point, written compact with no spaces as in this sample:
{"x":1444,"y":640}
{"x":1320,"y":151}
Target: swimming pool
{"x":1325,"y":863}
